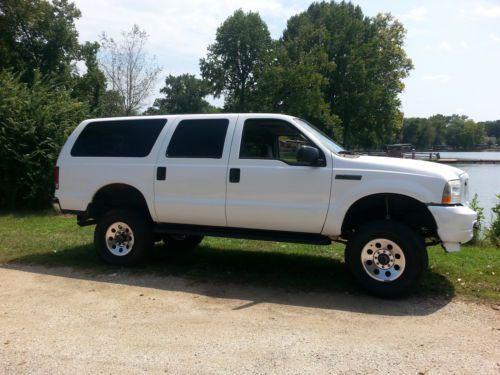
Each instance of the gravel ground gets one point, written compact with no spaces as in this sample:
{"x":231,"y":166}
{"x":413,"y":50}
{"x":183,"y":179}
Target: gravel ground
{"x":55,"y":321}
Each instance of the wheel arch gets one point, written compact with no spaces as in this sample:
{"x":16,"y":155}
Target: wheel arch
{"x":117,"y":195}
{"x":397,"y":207}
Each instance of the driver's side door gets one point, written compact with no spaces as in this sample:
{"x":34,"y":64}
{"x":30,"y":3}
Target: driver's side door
{"x":267,"y":187}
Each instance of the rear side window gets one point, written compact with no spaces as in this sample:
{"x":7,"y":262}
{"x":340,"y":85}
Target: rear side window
{"x":121,"y":138}
{"x":198,"y":139}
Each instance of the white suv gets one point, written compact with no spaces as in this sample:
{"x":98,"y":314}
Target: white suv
{"x":258,"y":176}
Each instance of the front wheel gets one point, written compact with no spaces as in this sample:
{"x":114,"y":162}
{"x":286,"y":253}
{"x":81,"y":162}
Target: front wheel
{"x":386,"y":258}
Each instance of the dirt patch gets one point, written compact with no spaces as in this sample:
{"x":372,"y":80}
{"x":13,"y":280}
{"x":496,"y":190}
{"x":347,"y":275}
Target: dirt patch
{"x":53,"y":320}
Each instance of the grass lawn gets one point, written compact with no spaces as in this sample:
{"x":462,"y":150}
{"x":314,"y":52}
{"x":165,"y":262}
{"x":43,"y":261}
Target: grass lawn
{"x":51,"y":240}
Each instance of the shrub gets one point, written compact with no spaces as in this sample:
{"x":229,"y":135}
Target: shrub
{"x":494,"y":231}
{"x":34,"y":122}
{"x":474,"y":204}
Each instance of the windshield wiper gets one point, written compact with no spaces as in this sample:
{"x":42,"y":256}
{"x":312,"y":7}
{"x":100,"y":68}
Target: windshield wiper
{"x":345,"y":152}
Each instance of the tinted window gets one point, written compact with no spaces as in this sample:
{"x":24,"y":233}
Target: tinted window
{"x":272,"y":139}
{"x":198,"y":139}
{"x":122,"y":138}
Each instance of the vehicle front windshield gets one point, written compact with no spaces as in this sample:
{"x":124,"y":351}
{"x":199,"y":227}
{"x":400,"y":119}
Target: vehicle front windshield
{"x":326,"y":140}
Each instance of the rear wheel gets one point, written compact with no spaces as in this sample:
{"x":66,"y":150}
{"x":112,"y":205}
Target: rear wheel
{"x":181,"y":241}
{"x":123,"y":237}
{"x":386,"y":258}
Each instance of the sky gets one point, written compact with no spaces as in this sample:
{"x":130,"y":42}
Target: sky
{"x":454,"y":45}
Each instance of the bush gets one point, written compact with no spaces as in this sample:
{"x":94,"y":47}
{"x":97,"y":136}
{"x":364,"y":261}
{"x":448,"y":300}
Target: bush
{"x":34,"y":123}
{"x":474,"y":204}
{"x":494,"y":231}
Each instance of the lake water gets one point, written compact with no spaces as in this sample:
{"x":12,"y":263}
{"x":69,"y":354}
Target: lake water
{"x":484,"y":178}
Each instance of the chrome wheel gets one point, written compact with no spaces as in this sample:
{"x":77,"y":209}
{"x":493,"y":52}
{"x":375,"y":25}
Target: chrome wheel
{"x":383,"y":259}
{"x":119,"y":239}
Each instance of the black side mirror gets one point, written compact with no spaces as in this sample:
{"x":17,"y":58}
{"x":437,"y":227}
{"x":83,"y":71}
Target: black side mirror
{"x":308,"y":155}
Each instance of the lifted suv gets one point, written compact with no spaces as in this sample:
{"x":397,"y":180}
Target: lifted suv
{"x":258,"y":176}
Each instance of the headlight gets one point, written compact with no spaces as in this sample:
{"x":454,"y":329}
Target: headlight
{"x":451,"y":193}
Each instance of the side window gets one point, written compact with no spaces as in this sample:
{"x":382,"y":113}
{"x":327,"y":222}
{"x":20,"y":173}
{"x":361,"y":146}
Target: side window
{"x":118,"y":138}
{"x":198,"y":139}
{"x":272,"y":139}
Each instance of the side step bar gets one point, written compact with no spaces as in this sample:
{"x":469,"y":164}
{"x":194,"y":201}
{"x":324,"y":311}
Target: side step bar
{"x":243,"y":233}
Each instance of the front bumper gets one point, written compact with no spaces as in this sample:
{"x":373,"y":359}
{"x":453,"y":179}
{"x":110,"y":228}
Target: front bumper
{"x":455,"y":225}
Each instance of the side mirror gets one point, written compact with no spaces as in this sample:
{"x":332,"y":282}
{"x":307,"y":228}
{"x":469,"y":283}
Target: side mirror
{"x":308,"y":155}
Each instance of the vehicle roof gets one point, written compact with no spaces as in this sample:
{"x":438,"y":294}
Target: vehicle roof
{"x":196,"y":115}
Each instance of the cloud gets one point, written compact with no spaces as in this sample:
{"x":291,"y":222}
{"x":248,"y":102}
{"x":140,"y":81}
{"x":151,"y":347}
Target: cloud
{"x":491,"y":11}
{"x":445,"y":46}
{"x":495,"y":38}
{"x":417,"y":14}
{"x":179,"y":31}
{"x":440,"y":78}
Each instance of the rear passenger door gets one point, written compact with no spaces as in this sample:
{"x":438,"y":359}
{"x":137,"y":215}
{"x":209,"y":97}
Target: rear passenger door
{"x":190,"y":183}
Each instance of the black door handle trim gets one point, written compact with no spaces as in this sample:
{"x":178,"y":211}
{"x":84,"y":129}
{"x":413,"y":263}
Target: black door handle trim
{"x":234,"y":175}
{"x":161,"y":173}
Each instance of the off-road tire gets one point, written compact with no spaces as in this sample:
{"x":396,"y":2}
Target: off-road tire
{"x":140,"y":237}
{"x":400,"y":246}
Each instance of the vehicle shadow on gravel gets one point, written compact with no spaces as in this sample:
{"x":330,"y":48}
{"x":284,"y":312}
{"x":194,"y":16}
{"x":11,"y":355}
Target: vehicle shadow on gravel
{"x":254,"y":276}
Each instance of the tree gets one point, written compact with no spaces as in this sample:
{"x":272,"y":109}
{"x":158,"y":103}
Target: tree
{"x":492,"y":128}
{"x":38,"y":35}
{"x":91,"y":86}
{"x":295,"y":88}
{"x":183,"y":94}
{"x":129,"y":70}
{"x":455,"y":131}
{"x":241,"y":44}
{"x":439,"y":124}
{"x":370,"y":63}
{"x":35,"y":120}
{"x":463,"y":132}
{"x":418,"y":132}
{"x":112,"y":104}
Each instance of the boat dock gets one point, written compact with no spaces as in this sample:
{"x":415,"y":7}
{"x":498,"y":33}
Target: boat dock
{"x":435,"y":157}
{"x":465,"y":161}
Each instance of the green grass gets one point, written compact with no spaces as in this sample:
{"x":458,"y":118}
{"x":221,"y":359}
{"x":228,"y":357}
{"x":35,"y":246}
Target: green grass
{"x":37,"y":238}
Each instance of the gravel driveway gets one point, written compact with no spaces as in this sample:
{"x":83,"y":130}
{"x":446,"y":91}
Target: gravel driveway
{"x":54,"y":321}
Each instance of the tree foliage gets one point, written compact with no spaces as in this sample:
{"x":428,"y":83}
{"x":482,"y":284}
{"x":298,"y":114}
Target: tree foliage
{"x":370,"y":63}
{"x":183,"y":94}
{"x":494,"y":231}
{"x":455,"y":131}
{"x":241,"y":43}
{"x":492,"y":129}
{"x":35,"y":120}
{"x":334,"y":66}
{"x":43,"y":95}
{"x":38,"y":35}
{"x":296,"y":87}
{"x":91,"y":86}
{"x":129,"y":71}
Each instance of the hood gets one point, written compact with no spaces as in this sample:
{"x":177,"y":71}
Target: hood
{"x":416,"y":167}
